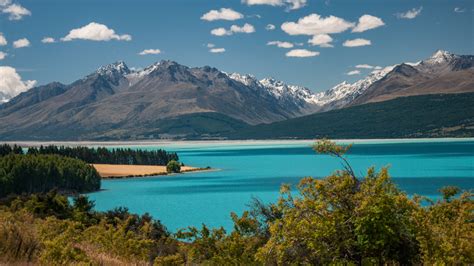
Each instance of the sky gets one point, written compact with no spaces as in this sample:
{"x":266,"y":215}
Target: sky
{"x":312,"y":43}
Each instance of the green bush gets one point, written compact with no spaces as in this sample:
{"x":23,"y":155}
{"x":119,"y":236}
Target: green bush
{"x":173,"y":167}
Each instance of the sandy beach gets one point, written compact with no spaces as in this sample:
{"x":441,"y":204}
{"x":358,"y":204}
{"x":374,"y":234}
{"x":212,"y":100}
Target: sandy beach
{"x":123,"y":170}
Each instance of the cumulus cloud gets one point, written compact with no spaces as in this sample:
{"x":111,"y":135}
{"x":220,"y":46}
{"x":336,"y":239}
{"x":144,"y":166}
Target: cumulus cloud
{"x":48,"y":40}
{"x":3,"y":55}
{"x":290,"y":4}
{"x":11,"y":83}
{"x":246,"y":28}
{"x":21,"y":43}
{"x":357,"y":42}
{"x":222,"y":14}
{"x":314,"y":24}
{"x":368,"y":22}
{"x":281,"y":44}
{"x":3,"y":40}
{"x":365,"y":66}
{"x":270,"y":27}
{"x":459,"y":10}
{"x":14,"y":11}
{"x":150,"y":51}
{"x":322,"y":40}
{"x":378,"y":68}
{"x":301,"y":53}
{"x":95,"y":32}
{"x":353,"y":72}
{"x":217,"y":50}
{"x":410,"y":14}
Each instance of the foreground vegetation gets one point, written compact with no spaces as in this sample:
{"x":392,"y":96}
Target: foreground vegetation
{"x":340,"y":219}
{"x":100,"y":155}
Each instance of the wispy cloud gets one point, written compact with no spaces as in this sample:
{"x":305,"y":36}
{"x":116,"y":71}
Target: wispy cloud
{"x":150,"y":51}
{"x":270,"y":27}
{"x":217,"y":50}
{"x":410,"y":14}
{"x":353,"y":72}
{"x":459,"y":10}
{"x":48,"y":40}
{"x":364,"y":66}
{"x":290,"y":4}
{"x":281,"y":44}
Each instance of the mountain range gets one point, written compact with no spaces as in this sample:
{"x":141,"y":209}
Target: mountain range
{"x":170,"y":100}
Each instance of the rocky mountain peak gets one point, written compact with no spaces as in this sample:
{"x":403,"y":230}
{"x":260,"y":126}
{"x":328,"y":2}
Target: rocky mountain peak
{"x":118,"y":67}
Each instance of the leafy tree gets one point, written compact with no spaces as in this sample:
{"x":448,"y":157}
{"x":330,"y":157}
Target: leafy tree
{"x":173,"y":167}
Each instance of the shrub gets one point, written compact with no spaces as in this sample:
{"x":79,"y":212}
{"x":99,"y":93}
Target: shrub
{"x":173,"y":167}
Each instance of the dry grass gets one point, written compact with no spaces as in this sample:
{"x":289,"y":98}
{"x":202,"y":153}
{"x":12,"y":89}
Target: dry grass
{"x":123,"y":170}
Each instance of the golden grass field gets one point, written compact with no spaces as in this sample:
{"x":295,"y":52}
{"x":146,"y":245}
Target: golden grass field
{"x":124,"y":170}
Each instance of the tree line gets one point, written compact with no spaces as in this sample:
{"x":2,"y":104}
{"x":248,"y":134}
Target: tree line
{"x":100,"y":155}
{"x":33,"y":173}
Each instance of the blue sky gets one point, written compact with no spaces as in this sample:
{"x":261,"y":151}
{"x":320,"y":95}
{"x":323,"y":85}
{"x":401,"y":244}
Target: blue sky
{"x":176,"y":28}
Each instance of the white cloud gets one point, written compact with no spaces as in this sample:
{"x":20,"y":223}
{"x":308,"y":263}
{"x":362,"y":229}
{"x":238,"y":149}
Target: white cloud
{"x":15,"y":11}
{"x":150,"y":51}
{"x":5,"y":2}
{"x":377,"y":67}
{"x":246,"y":28}
{"x":301,"y":53}
{"x":322,"y":40}
{"x":210,"y":45}
{"x":270,"y":27}
{"x":3,"y":40}
{"x":410,"y":14}
{"x":353,"y":72}
{"x":365,"y":66}
{"x":357,"y":42}
{"x":281,"y":44}
{"x":11,"y":83}
{"x":217,"y":50}
{"x":315,"y":24}
{"x":48,"y":40}
{"x":3,"y":55}
{"x":222,"y":14}
{"x":21,"y":43}
{"x":290,"y":4}
{"x":459,"y":10}
{"x":95,"y":32}
{"x":368,"y":22}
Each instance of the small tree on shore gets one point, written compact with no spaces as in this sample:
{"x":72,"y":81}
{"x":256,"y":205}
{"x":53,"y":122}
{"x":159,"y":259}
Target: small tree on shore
{"x":173,"y":167}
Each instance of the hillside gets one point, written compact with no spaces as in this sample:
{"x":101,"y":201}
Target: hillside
{"x":441,"y":115}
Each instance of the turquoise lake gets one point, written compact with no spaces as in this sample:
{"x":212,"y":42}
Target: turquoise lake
{"x":257,"y":169}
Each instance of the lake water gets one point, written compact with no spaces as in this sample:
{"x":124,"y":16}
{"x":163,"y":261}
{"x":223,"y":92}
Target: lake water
{"x":257,"y":169}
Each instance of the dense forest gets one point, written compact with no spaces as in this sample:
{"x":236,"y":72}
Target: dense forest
{"x":100,"y":155}
{"x":342,"y":219}
{"x":33,"y":173}
{"x":431,"y":116}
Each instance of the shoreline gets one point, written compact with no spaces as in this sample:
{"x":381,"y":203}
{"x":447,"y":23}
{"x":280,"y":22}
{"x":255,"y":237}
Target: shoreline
{"x":26,"y":143}
{"x":119,"y":171}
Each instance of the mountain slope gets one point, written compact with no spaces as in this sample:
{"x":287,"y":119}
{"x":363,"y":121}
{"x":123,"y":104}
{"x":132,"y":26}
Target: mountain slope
{"x":115,"y":102}
{"x":436,"y":115}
